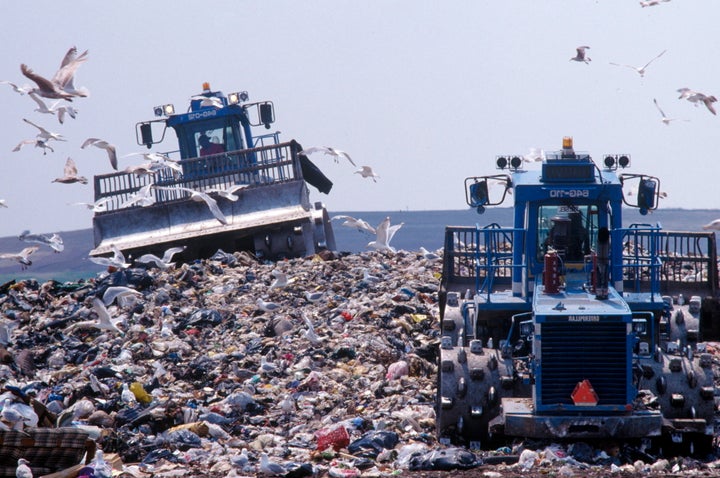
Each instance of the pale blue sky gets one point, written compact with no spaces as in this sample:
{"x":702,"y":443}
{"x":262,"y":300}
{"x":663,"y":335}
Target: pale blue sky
{"x":427,"y":93}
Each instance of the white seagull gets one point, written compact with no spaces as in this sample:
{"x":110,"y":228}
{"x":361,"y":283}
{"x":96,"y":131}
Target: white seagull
{"x":143,"y":197}
{"x":280,"y":281}
{"x":229,"y":192}
{"x":640,"y":69}
{"x":367,"y":172}
{"x":45,"y":134}
{"x":18,"y":89}
{"x":54,"y":241}
{"x":359,"y":224}
{"x":98,"y":206}
{"x":39,"y":143}
{"x":23,"y":470}
{"x":103,"y":322}
{"x":118,"y":292}
{"x":21,"y":257}
{"x":534,"y":155}
{"x":665,"y":118}
{"x":155,"y":162}
{"x":3,"y":203}
{"x":269,"y":468}
{"x":334,"y":152}
{"x":267,"y":306}
{"x":580,"y":56}
{"x":164,"y":262}
{"x":102,"y":144}
{"x":383,"y":235}
{"x":70,"y":174}
{"x":713,"y":225}
{"x":55,"y":108}
{"x":199,"y":196}
{"x":652,"y":3}
{"x":117,"y":260}
{"x":697,"y":98}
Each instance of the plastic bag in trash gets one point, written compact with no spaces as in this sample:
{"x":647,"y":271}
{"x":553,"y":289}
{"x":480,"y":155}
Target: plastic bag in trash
{"x":373,"y":442}
{"x":337,"y":438}
{"x":444,"y":460}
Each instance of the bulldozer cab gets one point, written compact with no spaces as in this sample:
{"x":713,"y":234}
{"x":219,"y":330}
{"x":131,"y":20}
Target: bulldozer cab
{"x":571,"y":231}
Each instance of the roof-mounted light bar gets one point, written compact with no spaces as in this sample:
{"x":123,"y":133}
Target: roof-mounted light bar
{"x":513,"y":163}
{"x":237,"y":97}
{"x":613,"y":161}
{"x":164,"y":110}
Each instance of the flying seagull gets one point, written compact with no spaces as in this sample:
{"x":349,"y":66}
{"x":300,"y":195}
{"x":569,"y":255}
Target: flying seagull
{"x":697,"y":98}
{"x":651,"y":3}
{"x":383,"y":236}
{"x":39,"y":143}
{"x":359,"y":224}
{"x":61,"y":86}
{"x":580,"y":56}
{"x":143,"y":197}
{"x":155,"y":162}
{"x":335,"y":153}
{"x":665,"y":119}
{"x":117,"y":260}
{"x":70,"y":174}
{"x":53,"y":109}
{"x":640,"y":69}
{"x":44,"y":134}
{"x":713,"y":225}
{"x":103,"y":322}
{"x":18,"y":89}
{"x":164,"y":262}
{"x":199,"y":196}
{"x":98,"y":206}
{"x":54,"y":241}
{"x":102,"y":144}
{"x":367,"y":172}
{"x":21,"y":257}
{"x":229,"y":192}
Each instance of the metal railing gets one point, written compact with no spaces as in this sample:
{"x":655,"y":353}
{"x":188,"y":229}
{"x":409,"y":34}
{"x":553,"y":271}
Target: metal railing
{"x":479,"y":255}
{"x":682,"y":259}
{"x":252,"y":167}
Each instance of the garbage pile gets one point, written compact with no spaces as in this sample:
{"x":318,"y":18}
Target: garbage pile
{"x":320,"y":366}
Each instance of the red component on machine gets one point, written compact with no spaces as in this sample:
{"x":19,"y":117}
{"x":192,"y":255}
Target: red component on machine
{"x":551,"y":274}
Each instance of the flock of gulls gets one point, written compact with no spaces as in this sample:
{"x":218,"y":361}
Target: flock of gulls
{"x":695,"y":97}
{"x":61,"y":88}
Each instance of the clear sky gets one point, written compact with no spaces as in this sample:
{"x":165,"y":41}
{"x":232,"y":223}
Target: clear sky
{"x":425,"y":92}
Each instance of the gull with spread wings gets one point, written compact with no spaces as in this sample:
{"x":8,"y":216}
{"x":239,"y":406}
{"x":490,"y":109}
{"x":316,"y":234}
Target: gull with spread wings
{"x":102,"y":144}
{"x":22,"y":257}
{"x":198,"y":196}
{"x":334,"y":152}
{"x":61,"y":86}
{"x":383,"y":235}
{"x":640,"y":69}
{"x":70,"y":174}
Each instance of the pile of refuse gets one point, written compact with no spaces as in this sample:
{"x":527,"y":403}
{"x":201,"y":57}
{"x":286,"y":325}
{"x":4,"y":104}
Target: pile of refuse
{"x":230,"y":366}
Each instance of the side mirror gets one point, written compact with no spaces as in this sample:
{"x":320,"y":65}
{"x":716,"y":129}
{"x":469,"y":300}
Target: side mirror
{"x":267,"y":114}
{"x":642,"y":193}
{"x":646,"y":194}
{"x":146,"y":134}
{"x":479,"y":195}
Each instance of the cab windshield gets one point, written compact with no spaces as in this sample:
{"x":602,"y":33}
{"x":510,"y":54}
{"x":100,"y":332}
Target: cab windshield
{"x":568,"y":230}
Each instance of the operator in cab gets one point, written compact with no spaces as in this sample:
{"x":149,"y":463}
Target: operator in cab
{"x":569,"y":237}
{"x":207,"y":147}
